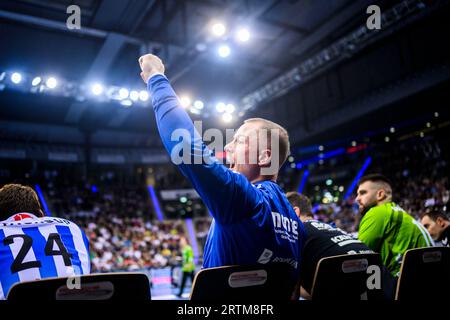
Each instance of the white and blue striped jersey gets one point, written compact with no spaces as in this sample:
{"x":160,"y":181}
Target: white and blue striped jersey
{"x":33,"y":248}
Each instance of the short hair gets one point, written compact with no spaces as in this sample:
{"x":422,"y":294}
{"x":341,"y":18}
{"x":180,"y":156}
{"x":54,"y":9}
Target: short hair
{"x":434,"y":215}
{"x":16,"y":198}
{"x":375,"y":177}
{"x":301,"y":201}
{"x":284,"y":144}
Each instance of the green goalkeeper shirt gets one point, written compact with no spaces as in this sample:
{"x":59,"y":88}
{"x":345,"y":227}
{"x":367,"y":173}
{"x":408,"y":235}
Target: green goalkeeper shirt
{"x":389,"y":230}
{"x":188,"y":259}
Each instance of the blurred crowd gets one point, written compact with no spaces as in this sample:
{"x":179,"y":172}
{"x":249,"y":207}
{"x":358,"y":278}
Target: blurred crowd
{"x":132,"y":243}
{"x":118,"y":216}
{"x":419,"y":172}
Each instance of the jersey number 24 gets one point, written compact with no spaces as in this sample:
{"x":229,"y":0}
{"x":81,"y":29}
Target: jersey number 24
{"x":53,"y":238}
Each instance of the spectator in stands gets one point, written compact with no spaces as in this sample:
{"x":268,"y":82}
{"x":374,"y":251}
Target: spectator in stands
{"x":187,"y":266}
{"x":321,"y":242}
{"x":245,"y":201}
{"x":438,"y":225}
{"x":385,"y":227}
{"x":132,"y":243}
{"x":53,"y":247}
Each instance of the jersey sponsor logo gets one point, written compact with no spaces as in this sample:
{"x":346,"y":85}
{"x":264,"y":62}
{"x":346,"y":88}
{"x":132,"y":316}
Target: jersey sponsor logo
{"x":325,"y":226}
{"x":292,"y":262}
{"x":286,"y":227}
{"x":265,"y":256}
{"x":21,"y":216}
{"x":40,"y":221}
{"x":359,"y":251}
{"x":344,"y":239}
{"x":321,"y":226}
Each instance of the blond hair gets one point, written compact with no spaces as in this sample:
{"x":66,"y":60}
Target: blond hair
{"x":269,"y":126}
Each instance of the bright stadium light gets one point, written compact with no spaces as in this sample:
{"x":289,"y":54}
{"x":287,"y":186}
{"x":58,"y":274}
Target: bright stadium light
{"x":123,"y":93}
{"x":227,"y":117}
{"x":185,"y":101}
{"x":51,"y":83}
{"x":97,"y":89}
{"x":224,"y":51}
{"x":220,"y":107}
{"x":218,"y":29}
{"x":198,"y":104}
{"x":230,"y":108}
{"x":195,"y":110}
{"x":134,"y":95}
{"x":126,"y":103}
{"x":243,"y":35}
{"x":183,"y":199}
{"x":16,"y":78}
{"x":143,"y":95}
{"x":36,"y":81}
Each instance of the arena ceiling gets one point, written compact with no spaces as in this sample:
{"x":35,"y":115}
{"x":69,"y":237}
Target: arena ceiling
{"x":114,"y":34}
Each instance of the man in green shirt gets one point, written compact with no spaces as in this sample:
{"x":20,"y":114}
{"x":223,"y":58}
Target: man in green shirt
{"x":385,"y":227}
{"x":188,"y":265}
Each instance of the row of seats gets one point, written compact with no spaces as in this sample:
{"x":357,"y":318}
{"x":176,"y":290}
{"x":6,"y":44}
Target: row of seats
{"x":344,"y":277}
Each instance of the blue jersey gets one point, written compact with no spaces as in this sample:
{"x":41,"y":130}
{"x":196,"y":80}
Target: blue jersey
{"x":33,"y":248}
{"x":253,"y":223}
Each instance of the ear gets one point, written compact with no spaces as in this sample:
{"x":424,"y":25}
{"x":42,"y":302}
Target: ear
{"x":381,"y":195}
{"x":297,"y":211}
{"x":440,"y":222}
{"x":264,"y":158}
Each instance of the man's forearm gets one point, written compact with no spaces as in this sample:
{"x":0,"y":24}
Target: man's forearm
{"x":168,"y":112}
{"x":217,"y":186}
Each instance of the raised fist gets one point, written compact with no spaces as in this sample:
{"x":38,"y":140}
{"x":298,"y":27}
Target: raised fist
{"x":150,"y":65}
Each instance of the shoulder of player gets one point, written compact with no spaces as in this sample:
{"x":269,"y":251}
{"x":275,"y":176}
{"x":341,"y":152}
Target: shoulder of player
{"x":60,"y":221}
{"x":317,"y":225}
{"x":380,"y":212}
{"x":267,"y":187}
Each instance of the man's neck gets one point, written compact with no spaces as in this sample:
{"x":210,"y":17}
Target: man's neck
{"x":447,"y":226}
{"x":264,"y":178}
{"x":444,"y":232}
{"x":387,"y":200}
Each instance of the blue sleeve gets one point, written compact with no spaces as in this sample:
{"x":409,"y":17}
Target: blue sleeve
{"x":228,"y":195}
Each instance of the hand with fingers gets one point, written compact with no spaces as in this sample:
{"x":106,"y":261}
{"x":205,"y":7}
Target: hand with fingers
{"x":150,"y":65}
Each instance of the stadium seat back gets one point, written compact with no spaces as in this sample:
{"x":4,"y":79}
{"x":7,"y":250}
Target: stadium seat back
{"x":348,"y":277}
{"x":108,"y":286}
{"x":256,"y":282}
{"x":425,"y":273}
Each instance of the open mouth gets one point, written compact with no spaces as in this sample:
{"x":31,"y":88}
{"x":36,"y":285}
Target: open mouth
{"x":229,"y":158}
